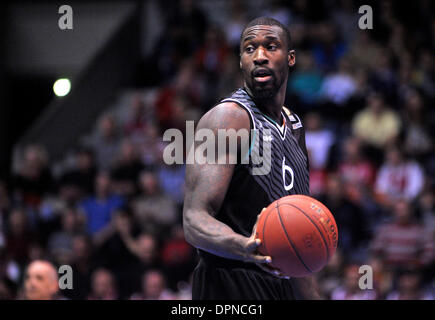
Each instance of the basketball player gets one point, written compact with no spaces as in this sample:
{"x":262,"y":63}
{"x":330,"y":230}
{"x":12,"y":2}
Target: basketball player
{"x":223,"y":201}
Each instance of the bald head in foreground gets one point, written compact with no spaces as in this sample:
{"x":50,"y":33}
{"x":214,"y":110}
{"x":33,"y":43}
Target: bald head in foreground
{"x":41,"y":281}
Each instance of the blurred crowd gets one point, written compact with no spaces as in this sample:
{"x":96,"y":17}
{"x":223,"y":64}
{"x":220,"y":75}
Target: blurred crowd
{"x":112,"y":209}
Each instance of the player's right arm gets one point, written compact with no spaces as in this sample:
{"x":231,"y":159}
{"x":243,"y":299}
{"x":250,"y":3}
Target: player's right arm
{"x":206,"y":186}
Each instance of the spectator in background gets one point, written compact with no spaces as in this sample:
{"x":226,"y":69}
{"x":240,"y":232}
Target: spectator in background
{"x":154,"y":287}
{"x":211,"y":55}
{"x":145,"y":248}
{"x":405,"y":80}
{"x":152,"y":208}
{"x":60,"y":243}
{"x":172,"y":102}
{"x":306,"y":81}
{"x":330,"y":277}
{"x":417,"y":140}
{"x":82,"y":265}
{"x":363,"y":51}
{"x":279,"y":11}
{"x":34,"y":177}
{"x":41,"y":281}
{"x":328,"y":48}
{"x":190,"y":66}
{"x":171,"y":180}
{"x":229,"y":77}
{"x":398,"y":178}
{"x":357,"y":102}
{"x":349,"y":217}
{"x":376,"y":124}
{"x":5,"y":201}
{"x":338,"y":87}
{"x":401,"y":243}
{"x":177,"y":257}
{"x":350,"y":289}
{"x":210,"y":59}
{"x":99,"y":207}
{"x":118,"y":252}
{"x":126,"y":169}
{"x":79,"y":181}
{"x":354,"y":168}
{"x":383,"y":76}
{"x":106,"y":141}
{"x":424,"y":73}
{"x":147,"y":251}
{"x":426,"y":211}
{"x":150,"y":146}
{"x":346,"y":18}
{"x":382,"y":277}
{"x":19,"y":236}
{"x":185,"y":29}
{"x":103,"y":286}
{"x":189,"y":18}
{"x":5,"y":290}
{"x":234,"y":28}
{"x":5,"y":205}
{"x":319,"y":141}
{"x":184,"y":289}
{"x":409,"y":287}
{"x":137,"y":117}
{"x":426,"y":208}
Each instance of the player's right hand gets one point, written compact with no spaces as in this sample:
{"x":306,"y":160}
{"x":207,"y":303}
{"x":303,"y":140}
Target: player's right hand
{"x":251,"y":247}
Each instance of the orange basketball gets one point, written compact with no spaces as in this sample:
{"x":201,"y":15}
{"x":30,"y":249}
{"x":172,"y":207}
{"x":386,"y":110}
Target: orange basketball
{"x":299,"y":233}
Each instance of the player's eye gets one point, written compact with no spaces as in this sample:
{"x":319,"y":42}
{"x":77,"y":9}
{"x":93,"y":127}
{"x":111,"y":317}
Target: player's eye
{"x":271,"y":47}
{"x":249,"y":49}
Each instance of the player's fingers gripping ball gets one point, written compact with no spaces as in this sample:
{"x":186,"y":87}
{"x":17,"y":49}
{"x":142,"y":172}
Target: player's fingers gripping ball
{"x":299,"y":233}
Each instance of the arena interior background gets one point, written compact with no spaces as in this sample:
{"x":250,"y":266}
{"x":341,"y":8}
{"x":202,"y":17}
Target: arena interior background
{"x":82,"y":178}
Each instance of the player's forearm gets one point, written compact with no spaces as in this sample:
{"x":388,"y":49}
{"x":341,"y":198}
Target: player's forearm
{"x":209,"y":234}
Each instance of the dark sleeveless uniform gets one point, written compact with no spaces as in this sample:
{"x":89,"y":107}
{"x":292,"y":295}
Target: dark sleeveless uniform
{"x":253,"y":187}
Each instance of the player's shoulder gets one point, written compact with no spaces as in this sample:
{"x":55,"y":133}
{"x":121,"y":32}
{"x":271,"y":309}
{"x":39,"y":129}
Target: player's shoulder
{"x":225,"y":115}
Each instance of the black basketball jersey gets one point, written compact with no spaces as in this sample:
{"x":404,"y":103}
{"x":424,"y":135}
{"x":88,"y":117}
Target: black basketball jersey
{"x":254,"y":184}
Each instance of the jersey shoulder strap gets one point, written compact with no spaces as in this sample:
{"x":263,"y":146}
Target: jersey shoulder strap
{"x":295,"y":121}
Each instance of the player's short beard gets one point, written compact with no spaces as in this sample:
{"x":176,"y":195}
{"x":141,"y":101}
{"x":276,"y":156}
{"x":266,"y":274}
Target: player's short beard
{"x":263,"y":94}
{"x":259,"y":93}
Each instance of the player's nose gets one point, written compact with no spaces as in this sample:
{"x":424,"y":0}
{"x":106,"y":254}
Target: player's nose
{"x":260,"y":57}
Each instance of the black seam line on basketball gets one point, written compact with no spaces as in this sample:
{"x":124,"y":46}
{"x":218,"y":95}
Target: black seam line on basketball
{"x":318,"y":229}
{"x":291,"y":242}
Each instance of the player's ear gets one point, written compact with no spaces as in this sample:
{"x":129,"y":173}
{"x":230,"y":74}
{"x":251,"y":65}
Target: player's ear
{"x":291,"y":58}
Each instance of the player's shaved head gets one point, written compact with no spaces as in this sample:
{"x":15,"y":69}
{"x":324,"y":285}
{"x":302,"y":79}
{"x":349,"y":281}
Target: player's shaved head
{"x":266,"y":21}
{"x":41,"y":281}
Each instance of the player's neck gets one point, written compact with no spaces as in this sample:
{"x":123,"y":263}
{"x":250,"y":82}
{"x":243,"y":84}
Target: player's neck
{"x":271,"y":106}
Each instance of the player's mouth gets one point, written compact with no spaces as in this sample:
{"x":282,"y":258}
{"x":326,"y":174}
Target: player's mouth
{"x":262,"y":75}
